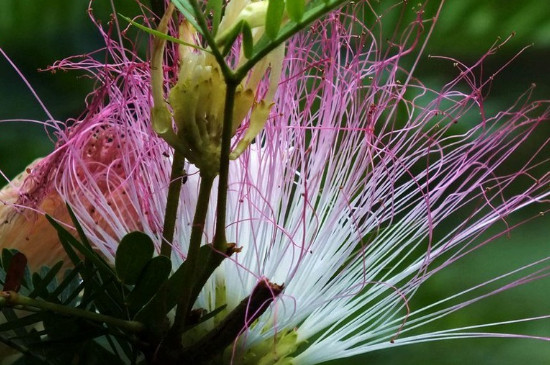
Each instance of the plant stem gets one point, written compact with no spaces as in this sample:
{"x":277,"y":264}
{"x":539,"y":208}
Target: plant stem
{"x":188,"y":295}
{"x":219,"y":235}
{"x":186,"y":299}
{"x":225,"y":69}
{"x":12,"y":298}
{"x":172,"y":203}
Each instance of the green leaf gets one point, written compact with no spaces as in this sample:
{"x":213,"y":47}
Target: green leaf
{"x":151,"y":279}
{"x":17,"y":324}
{"x":206,"y":317}
{"x":161,"y":35}
{"x":41,"y":282}
{"x":315,"y":9}
{"x":70,"y":287}
{"x":7,"y":254}
{"x":105,"y":296}
{"x":82,"y":344}
{"x":211,"y":260}
{"x":188,"y":12}
{"x":295,"y":9}
{"x":100,"y":283}
{"x":84,"y":249}
{"x":133,"y":253}
{"x":78,"y":227}
{"x":65,"y":237}
{"x":215,"y":6}
{"x":153,"y":313}
{"x":93,"y":259}
{"x":274,"y":17}
{"x":248,"y":41}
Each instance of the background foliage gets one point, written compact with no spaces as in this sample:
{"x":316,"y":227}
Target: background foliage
{"x":35,"y":34}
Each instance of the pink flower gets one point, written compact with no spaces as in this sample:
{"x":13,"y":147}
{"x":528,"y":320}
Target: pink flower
{"x":346,"y":196}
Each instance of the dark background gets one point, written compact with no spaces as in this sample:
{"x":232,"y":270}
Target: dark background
{"x":35,"y":34}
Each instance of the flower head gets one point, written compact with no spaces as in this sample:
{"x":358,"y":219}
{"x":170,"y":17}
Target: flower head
{"x":198,"y":97}
{"x":346,"y":196}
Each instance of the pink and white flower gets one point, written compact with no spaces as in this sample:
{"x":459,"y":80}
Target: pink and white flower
{"x":363,"y":184}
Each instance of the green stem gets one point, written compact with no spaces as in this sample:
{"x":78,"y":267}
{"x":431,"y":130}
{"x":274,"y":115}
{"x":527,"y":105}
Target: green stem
{"x":219,"y":235}
{"x":11,"y":298}
{"x":186,"y":298}
{"x":172,"y":203}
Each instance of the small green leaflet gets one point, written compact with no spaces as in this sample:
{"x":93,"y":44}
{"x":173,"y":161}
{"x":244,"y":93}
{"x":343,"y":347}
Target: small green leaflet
{"x":161,"y":35}
{"x":274,"y":17}
{"x":248,"y":41}
{"x":295,"y":9}
{"x":188,"y":12}
{"x":132,"y":255}
{"x":215,"y":6}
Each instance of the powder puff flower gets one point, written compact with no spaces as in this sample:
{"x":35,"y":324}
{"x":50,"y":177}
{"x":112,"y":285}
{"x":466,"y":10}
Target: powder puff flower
{"x":363,"y":184}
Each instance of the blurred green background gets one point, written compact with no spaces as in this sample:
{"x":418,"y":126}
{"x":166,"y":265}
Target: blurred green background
{"x":35,"y":34}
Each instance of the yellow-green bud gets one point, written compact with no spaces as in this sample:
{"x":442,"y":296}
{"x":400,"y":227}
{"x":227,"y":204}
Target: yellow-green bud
{"x":198,"y":98}
{"x":273,"y":351}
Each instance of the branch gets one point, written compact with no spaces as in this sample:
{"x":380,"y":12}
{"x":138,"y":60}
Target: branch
{"x":11,"y":298}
